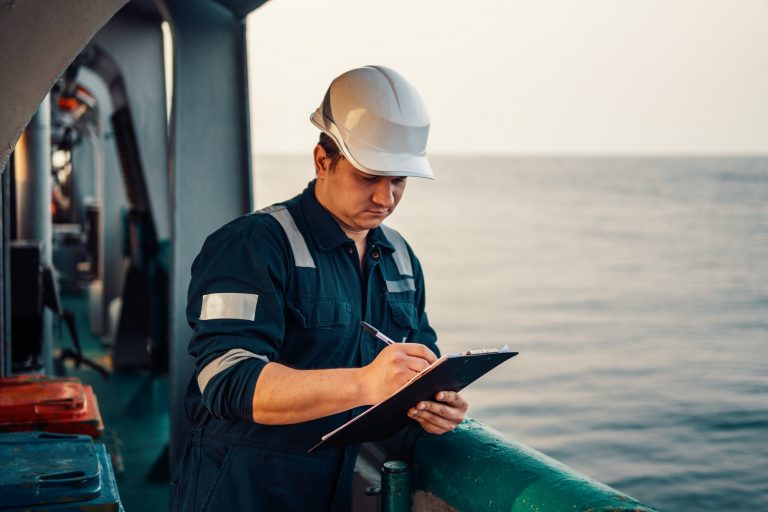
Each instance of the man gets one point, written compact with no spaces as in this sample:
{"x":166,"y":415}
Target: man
{"x":276,"y":300}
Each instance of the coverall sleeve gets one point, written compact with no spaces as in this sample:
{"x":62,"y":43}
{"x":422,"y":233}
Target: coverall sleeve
{"x":235,"y":306}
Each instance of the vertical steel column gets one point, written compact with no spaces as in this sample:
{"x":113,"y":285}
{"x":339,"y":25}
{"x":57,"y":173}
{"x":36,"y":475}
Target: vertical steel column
{"x":128,"y":55}
{"x":135,"y":44}
{"x":33,"y":179}
{"x":110,"y":192}
{"x":210,"y":159}
{"x":395,"y":487}
{"x":33,"y":193}
{"x":5,"y":272}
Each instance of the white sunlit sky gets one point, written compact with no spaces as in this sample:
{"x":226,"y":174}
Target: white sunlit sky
{"x":533,"y":76}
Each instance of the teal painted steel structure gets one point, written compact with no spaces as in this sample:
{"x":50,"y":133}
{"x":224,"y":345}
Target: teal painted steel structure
{"x":210,"y":163}
{"x":477,"y":468}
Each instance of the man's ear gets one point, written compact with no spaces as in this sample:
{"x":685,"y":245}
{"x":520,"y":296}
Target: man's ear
{"x":322,"y":161}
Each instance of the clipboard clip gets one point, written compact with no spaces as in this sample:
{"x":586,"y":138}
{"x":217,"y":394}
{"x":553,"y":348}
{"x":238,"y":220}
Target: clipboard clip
{"x":503,"y":349}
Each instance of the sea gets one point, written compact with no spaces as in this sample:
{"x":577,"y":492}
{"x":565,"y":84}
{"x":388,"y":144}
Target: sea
{"x":635,"y":290}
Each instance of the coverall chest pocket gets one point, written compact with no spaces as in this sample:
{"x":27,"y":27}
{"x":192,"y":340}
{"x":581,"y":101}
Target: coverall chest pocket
{"x":403,"y":316}
{"x":316,"y":331}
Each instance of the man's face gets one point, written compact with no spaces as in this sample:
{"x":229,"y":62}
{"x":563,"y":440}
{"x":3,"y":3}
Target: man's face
{"x":359,"y":201}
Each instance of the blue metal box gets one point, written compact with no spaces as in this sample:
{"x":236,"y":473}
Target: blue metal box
{"x":43,"y":471}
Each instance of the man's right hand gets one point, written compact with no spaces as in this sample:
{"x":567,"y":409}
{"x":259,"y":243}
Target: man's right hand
{"x":395,"y":366}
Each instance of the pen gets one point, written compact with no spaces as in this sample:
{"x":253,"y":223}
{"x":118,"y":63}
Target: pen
{"x":377,"y":333}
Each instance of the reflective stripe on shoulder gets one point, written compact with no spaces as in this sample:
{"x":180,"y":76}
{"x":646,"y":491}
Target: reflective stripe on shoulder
{"x":403,"y":285}
{"x":301,"y":254}
{"x":402,"y":259}
{"x":230,"y":306}
{"x":223,"y":362}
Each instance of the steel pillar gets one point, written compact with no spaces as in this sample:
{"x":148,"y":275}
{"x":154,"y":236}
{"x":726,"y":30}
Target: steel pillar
{"x":33,"y":202}
{"x":33,"y":179}
{"x":110,"y":192}
{"x":5,"y":271}
{"x":128,"y":61}
{"x":134,"y":42}
{"x":210,"y":159}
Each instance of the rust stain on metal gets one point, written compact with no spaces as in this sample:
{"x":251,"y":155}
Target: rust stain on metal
{"x":424,"y":501}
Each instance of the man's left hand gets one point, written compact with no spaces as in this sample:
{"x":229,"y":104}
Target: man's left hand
{"x":440,"y":416}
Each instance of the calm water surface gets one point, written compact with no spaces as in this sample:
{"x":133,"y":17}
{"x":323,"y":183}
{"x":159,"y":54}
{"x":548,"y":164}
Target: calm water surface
{"x":635,"y":290}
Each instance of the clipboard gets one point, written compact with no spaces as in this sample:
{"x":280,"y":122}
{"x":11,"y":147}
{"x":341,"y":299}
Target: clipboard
{"x":452,"y":372}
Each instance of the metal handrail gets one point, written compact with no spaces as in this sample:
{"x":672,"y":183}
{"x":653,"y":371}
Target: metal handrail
{"x":477,"y":468}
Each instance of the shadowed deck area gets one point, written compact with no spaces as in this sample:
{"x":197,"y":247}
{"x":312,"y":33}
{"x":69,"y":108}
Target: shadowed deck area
{"x":134,"y":407}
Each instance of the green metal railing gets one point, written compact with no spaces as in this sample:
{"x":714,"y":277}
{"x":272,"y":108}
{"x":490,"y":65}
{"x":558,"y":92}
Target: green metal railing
{"x":477,"y":468}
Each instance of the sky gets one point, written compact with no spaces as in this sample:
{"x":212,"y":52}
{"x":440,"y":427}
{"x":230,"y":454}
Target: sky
{"x":527,"y":77}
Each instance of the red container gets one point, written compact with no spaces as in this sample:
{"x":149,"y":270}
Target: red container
{"x":37,"y":402}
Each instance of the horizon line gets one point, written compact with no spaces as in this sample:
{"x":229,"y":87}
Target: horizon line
{"x":552,"y":154}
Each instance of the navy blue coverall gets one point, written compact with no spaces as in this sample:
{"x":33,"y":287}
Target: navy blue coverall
{"x":284,"y":284}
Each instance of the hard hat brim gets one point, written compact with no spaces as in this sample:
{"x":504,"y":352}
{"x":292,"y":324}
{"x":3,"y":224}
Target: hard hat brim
{"x":376,"y":163}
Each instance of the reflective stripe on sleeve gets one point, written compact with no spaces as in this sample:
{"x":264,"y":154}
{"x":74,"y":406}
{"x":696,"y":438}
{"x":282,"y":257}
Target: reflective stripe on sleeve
{"x":234,"y":306}
{"x":403,"y":285}
{"x":223,"y":362}
{"x":402,"y":259}
{"x":301,"y":254}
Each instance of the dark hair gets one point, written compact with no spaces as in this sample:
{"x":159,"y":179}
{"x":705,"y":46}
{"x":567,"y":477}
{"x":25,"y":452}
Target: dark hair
{"x":331,"y":149}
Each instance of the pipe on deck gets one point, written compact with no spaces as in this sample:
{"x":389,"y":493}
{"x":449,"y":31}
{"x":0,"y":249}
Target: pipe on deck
{"x":395,"y":486}
{"x":33,"y":195}
{"x":477,"y":468}
{"x":33,"y":181}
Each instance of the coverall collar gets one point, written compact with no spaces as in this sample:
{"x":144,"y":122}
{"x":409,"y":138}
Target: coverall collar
{"x":325,"y":230}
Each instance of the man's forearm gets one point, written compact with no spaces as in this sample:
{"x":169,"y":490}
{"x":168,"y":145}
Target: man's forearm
{"x":284,"y":396}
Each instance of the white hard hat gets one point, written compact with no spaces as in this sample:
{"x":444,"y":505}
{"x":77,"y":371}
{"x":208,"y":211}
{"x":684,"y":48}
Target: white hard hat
{"x":378,"y":120}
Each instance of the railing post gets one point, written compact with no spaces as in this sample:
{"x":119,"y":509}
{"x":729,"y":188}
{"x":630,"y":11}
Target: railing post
{"x":395,"y":486}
